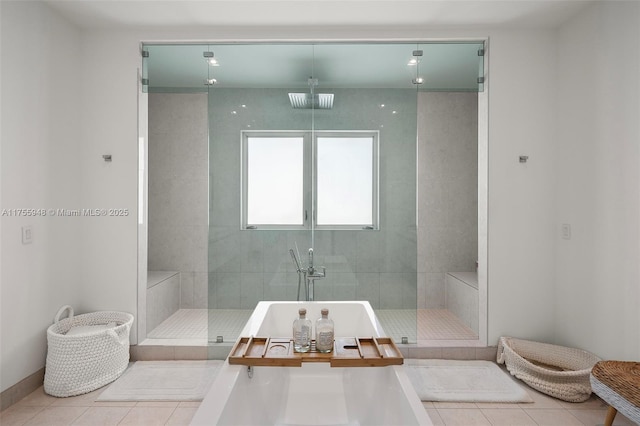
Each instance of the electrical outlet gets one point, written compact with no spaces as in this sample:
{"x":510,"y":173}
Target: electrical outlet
{"x":566,"y":231}
{"x":27,"y":235}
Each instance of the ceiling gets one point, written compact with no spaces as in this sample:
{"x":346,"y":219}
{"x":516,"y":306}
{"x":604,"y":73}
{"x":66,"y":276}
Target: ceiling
{"x":296,"y":13}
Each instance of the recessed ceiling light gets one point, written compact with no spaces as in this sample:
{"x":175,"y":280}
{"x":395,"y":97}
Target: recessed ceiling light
{"x":381,"y":105}
{"x":234,"y":112}
{"x":394,"y":112}
{"x":243,"y":106}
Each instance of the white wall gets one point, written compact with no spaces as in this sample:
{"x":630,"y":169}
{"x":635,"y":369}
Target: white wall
{"x":109,"y":126}
{"x":40,"y":170}
{"x":521,"y":208}
{"x":598,"y":193}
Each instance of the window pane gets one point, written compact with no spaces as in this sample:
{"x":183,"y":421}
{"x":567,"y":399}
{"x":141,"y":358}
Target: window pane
{"x":274,"y":180}
{"x":345,"y":180}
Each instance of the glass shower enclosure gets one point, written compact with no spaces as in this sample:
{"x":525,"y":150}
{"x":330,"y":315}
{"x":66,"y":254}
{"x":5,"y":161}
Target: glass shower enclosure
{"x":306,"y":161}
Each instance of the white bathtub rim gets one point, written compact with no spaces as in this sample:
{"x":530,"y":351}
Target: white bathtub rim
{"x":259,"y":313}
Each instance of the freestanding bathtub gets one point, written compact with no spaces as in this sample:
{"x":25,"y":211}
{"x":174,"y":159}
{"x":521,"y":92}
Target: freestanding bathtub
{"x":314,"y":394}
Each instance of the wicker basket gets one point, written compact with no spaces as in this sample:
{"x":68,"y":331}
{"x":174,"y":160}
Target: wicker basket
{"x":555,"y":370}
{"x":618,"y":384}
{"x":80,"y":363}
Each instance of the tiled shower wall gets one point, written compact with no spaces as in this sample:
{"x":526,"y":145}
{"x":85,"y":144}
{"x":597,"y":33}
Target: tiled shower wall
{"x":248,"y":266}
{"x":447,"y":190}
{"x":178,"y":182}
{"x":380,"y":266}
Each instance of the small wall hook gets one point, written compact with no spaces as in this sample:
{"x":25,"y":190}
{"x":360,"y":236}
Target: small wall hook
{"x":524,"y":158}
{"x":107,"y":157}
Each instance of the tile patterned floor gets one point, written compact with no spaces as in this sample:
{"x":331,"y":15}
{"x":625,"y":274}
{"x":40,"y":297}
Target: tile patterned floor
{"x":432,"y":324}
{"x":41,"y":409}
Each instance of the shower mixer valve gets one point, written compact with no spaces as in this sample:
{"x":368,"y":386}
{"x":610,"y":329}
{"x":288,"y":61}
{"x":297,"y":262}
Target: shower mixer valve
{"x":311,"y":271}
{"x":313,"y":275}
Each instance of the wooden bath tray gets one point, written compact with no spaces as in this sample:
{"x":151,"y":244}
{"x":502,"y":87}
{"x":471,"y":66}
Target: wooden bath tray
{"x":347,"y":352}
{"x":365,"y":352}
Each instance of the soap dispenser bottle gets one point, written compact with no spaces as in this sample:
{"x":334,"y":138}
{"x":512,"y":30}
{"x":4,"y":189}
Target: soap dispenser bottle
{"x":324,"y":332}
{"x":302,"y":332}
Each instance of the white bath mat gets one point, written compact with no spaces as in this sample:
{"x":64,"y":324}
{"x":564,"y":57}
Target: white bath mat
{"x":163,"y":381}
{"x":463,"y":381}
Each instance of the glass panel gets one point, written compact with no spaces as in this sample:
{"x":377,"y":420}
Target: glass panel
{"x":448,"y":164}
{"x":450,"y":67}
{"x":177,"y":192}
{"x":274,"y":180}
{"x":177,"y":68}
{"x":311,"y":90}
{"x":373,"y":91}
{"x":251,"y":97}
{"x":345,"y":180}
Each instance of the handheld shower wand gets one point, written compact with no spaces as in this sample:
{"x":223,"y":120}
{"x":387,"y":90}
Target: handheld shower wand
{"x":295,"y":260}
{"x":301,"y":272}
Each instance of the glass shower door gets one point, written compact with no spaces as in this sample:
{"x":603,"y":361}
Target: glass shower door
{"x":176,"y":288}
{"x":335,"y":108}
{"x":368,"y":139}
{"x":258,"y":181}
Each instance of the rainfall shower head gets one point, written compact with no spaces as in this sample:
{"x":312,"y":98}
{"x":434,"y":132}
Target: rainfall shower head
{"x":308,"y":100}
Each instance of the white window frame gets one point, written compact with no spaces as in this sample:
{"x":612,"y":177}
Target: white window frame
{"x":309,"y":182}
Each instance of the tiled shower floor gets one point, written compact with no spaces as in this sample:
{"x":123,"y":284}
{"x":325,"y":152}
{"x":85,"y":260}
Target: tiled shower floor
{"x":196,"y":323}
{"x":432,"y":324}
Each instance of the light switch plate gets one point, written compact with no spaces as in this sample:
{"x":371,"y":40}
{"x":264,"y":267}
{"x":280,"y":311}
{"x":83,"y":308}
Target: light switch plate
{"x":27,"y":235}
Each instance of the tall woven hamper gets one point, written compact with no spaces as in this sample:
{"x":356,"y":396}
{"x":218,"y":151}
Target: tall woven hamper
{"x":95,"y":356}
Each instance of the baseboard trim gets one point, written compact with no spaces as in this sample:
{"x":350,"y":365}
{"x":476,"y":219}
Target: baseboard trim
{"x":21,"y":389}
